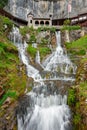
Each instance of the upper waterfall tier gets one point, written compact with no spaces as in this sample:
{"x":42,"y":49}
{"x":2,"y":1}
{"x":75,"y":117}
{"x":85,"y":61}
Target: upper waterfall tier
{"x":58,"y":60}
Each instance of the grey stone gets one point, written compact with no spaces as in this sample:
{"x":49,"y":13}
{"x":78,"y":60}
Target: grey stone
{"x":45,"y":8}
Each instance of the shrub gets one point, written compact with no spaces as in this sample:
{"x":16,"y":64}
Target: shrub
{"x":66,"y":22}
{"x":71,"y":27}
{"x":32,"y":51}
{"x":77,"y":119}
{"x":32,"y":39}
{"x":71,"y":97}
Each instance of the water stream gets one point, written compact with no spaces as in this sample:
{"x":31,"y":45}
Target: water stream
{"x":48,"y":109}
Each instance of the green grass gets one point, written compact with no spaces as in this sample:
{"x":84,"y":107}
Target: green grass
{"x":71,"y":97}
{"x":43,"y":51}
{"x":12,"y":79}
{"x":32,"y":51}
{"x":6,"y":95}
{"x":51,"y":29}
{"x":83,"y":89}
{"x":69,"y":28}
{"x":78,"y":47}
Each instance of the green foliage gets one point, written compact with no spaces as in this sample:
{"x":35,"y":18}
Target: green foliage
{"x":44,"y":51}
{"x":3,"y":3}
{"x":71,"y":97}
{"x":8,"y":22}
{"x":10,"y":75}
{"x":78,"y":47}
{"x":66,"y":22}
{"x":32,"y":38}
{"x":8,"y":94}
{"x":51,"y":29}
{"x":32,"y":51}
{"x":77,"y":119}
{"x":83,"y":89}
{"x":5,"y":25}
{"x":24,"y":30}
{"x":68,"y":27}
{"x":44,"y":41}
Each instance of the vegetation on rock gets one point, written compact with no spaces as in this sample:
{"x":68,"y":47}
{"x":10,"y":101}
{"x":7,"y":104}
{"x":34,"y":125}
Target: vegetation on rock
{"x":78,"y":47}
{"x":77,"y":98}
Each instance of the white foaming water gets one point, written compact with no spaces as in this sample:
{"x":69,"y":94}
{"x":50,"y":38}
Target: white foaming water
{"x":37,"y":57}
{"x":58,"y":61}
{"x":46,"y":111}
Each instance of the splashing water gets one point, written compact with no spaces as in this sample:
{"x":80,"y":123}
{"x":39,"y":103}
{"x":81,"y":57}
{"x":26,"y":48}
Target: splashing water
{"x":37,"y":57}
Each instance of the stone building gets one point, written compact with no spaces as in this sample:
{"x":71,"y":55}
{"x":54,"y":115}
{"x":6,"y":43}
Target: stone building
{"x":38,"y":22}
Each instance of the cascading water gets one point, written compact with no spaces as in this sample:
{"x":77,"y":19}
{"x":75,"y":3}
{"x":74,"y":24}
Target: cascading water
{"x":16,"y":37}
{"x":37,"y":57}
{"x":58,"y":61}
{"x":48,"y":109}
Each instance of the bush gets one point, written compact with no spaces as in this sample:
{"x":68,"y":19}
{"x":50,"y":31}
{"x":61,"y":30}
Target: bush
{"x":77,"y":119}
{"x":44,"y":51}
{"x":51,"y":29}
{"x":66,"y":22}
{"x":32,"y":51}
{"x":32,"y":39}
{"x":70,"y":28}
{"x":71,"y":97}
{"x":24,"y":30}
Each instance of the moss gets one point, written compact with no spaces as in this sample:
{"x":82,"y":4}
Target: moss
{"x":32,"y":51}
{"x":44,"y":51}
{"x":11,"y":77}
{"x":71,"y":97}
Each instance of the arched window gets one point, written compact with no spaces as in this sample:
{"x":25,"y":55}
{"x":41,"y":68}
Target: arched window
{"x":47,"y":23}
{"x":41,"y":22}
{"x":37,"y":23}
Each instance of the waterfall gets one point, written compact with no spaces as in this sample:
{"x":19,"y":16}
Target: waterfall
{"x":16,"y":37}
{"x":58,"y":61}
{"x":48,"y":109}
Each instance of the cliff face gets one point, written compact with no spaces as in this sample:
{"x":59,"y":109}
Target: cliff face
{"x":45,"y":8}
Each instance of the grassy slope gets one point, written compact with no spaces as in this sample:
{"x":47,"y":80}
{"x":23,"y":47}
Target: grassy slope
{"x":79,"y":91}
{"x":78,"y":47}
{"x":9,"y":73}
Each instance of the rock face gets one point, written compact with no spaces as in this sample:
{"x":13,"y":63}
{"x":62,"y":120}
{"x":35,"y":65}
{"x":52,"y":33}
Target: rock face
{"x":46,"y":8}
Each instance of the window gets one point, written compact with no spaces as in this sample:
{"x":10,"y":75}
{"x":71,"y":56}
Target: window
{"x":30,"y":21}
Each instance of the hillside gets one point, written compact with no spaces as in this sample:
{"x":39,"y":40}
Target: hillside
{"x":12,"y":75}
